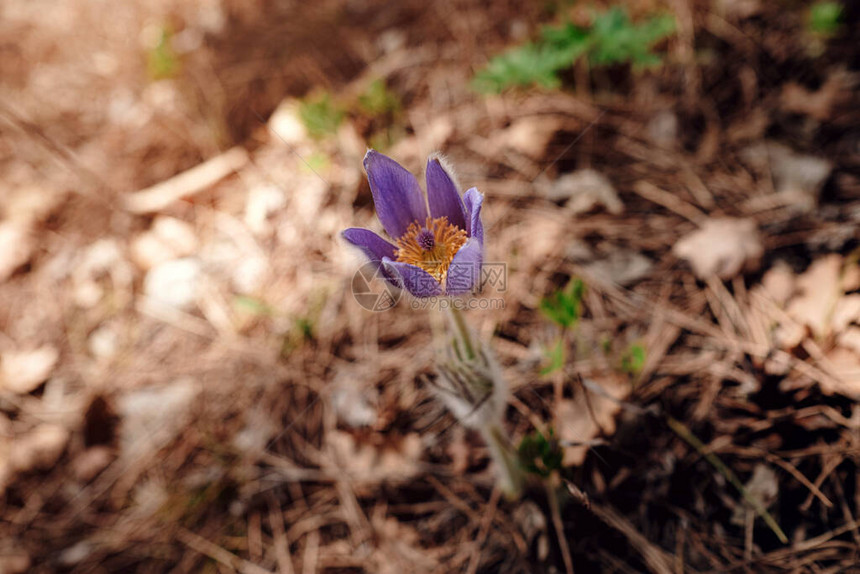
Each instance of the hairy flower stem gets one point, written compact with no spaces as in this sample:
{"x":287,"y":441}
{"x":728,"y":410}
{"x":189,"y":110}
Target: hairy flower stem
{"x":511,"y":477}
{"x":472,"y":386}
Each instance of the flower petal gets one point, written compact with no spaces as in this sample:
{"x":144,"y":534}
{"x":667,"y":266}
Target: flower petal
{"x":396,"y":193}
{"x":414,"y":279}
{"x":442,"y":194}
{"x":464,"y":273}
{"x":373,"y":246}
{"x":473,"y":199}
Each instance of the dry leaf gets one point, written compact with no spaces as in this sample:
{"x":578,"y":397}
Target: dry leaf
{"x":585,"y":190}
{"x":287,"y":125}
{"x":622,"y":266}
{"x":168,"y":239}
{"x":846,"y":311}
{"x":588,"y":415}
{"x":818,"y":294}
{"x":91,"y":462}
{"x":818,"y":104}
{"x":850,"y":339}
{"x":151,"y":417}
{"x":353,"y":406}
{"x":398,"y":459}
{"x":530,"y":135}
{"x":174,"y":283}
{"x":39,"y":448}
{"x":763,"y":487}
{"x":22,"y":371}
{"x":17,"y":242}
{"x":779,"y":283}
{"x":722,"y":247}
{"x":797,"y":177}
{"x":845,"y":365}
{"x":851,"y":278}
{"x":30,"y":205}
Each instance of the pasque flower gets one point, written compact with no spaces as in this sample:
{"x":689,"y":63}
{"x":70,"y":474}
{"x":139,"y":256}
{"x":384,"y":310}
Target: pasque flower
{"x":436,"y":251}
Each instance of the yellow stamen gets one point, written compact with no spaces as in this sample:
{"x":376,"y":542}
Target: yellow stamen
{"x":431,"y":246}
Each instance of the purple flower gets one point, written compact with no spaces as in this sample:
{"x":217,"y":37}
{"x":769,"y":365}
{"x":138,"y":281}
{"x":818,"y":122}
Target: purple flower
{"x":435,"y":252}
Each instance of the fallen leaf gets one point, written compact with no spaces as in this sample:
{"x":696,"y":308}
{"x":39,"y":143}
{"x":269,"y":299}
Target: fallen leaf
{"x":818,"y":104}
{"x":663,"y":128}
{"x":28,"y":205}
{"x":168,"y":239}
{"x":88,"y":464}
{"x":38,"y":448}
{"x":17,"y":242}
{"x":797,"y":177}
{"x":845,"y":312}
{"x":585,"y":190}
{"x":174,"y":283}
{"x":151,"y":417}
{"x":397,"y":459}
{"x":353,"y":406}
{"x":845,"y":365}
{"x":722,"y":247}
{"x":763,"y":487}
{"x":779,"y":283}
{"x":622,"y":266}
{"x":850,"y":339}
{"x":22,"y":371}
{"x":585,"y":417}
{"x":286,"y":124}
{"x":531,"y":135}
{"x":818,"y":293}
{"x":263,"y":201}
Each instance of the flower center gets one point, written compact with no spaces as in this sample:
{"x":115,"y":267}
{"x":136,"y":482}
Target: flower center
{"x":432,"y":246}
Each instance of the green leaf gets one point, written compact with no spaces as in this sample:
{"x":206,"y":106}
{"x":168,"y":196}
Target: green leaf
{"x":618,"y":40}
{"x":611,"y":39}
{"x":633,"y":360}
{"x":539,"y":454}
{"x":378,"y":100}
{"x":556,"y":358}
{"x":563,"y":307}
{"x":320,"y":115}
{"x":825,"y":18}
{"x":527,"y":65}
{"x":161,"y":61}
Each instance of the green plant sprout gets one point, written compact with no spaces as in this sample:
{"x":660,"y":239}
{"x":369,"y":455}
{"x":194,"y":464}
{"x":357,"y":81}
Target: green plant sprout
{"x":539,"y":454}
{"x":612,"y":39}
{"x":320,"y":115}
{"x":563,"y":307}
{"x":316,"y":162}
{"x":556,"y":357}
{"x":378,"y":100}
{"x":633,"y":360}
{"x":253,"y":306}
{"x":825,"y":18}
{"x":161,"y":61}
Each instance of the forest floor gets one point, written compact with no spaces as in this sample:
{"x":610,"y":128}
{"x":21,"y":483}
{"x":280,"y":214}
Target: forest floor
{"x":187,"y":383}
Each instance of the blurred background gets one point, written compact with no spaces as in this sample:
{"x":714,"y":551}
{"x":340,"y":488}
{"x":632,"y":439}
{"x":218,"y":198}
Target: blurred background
{"x":187,"y":383}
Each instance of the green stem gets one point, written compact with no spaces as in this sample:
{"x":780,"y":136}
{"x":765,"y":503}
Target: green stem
{"x":682,"y":431}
